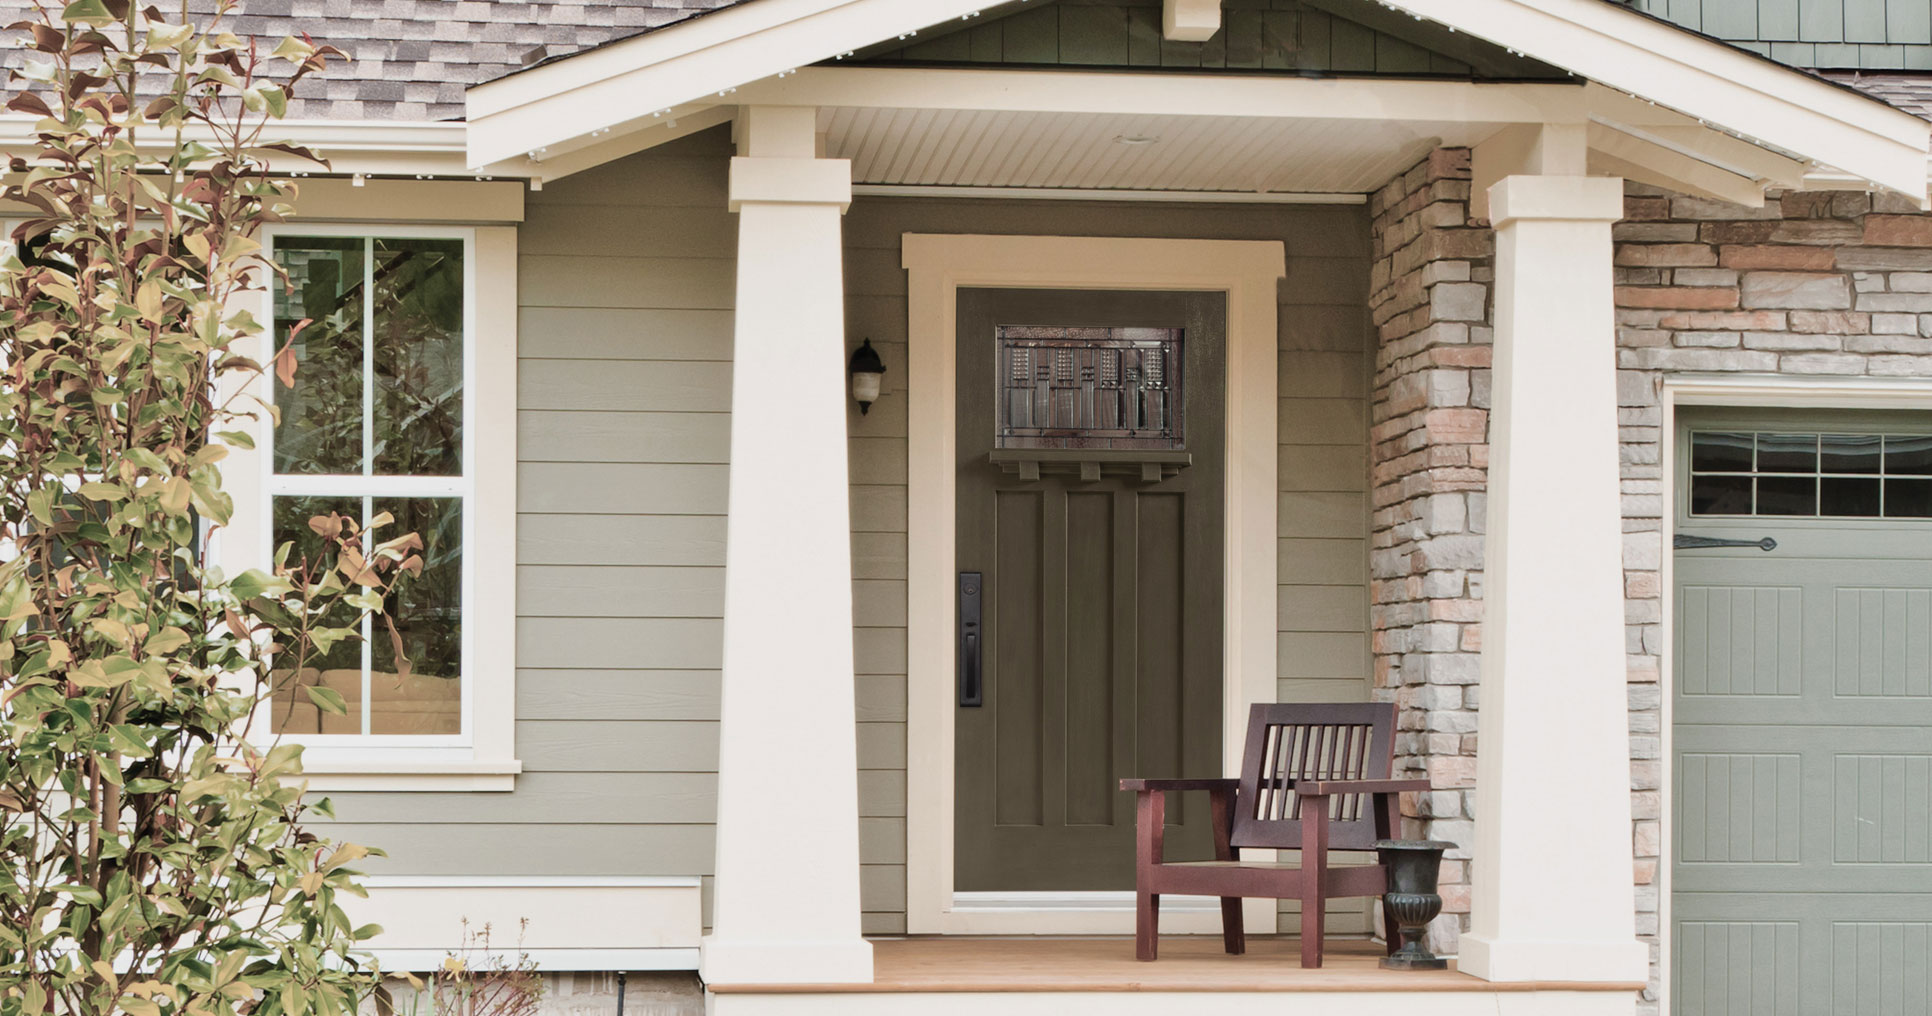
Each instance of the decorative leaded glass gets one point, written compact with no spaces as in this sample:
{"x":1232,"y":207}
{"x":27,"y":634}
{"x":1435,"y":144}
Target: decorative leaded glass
{"x":1072,"y":387}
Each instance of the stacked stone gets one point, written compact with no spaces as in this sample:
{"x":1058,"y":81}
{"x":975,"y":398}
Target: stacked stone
{"x":1813,"y":283}
{"x":1430,"y":304}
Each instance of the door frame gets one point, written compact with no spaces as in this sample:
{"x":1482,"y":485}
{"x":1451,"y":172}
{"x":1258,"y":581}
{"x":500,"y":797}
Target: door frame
{"x":938,"y":265}
{"x":1738,"y":391}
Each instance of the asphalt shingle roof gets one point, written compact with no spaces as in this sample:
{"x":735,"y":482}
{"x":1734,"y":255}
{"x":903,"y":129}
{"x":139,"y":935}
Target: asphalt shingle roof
{"x":412,"y":59}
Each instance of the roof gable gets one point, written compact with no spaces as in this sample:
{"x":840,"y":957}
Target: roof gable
{"x":1288,"y":36}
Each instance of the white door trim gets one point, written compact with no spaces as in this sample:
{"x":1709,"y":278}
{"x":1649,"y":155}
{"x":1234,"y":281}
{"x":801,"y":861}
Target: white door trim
{"x":1246,"y":270}
{"x":1753,"y":391}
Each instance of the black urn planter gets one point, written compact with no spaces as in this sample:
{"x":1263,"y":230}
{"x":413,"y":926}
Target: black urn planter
{"x":1414,"y":866}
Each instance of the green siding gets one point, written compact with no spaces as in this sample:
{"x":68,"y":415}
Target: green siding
{"x":624,"y":400}
{"x":1300,"y":36}
{"x":1863,"y":34}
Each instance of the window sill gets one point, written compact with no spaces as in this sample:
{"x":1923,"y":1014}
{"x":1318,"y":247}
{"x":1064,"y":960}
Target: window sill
{"x":344,"y":775}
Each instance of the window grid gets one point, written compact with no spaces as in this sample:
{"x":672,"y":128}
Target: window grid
{"x":366,"y":485}
{"x":1904,"y":492}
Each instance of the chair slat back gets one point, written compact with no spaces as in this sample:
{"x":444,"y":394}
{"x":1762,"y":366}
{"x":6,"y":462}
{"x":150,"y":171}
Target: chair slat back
{"x":1293,"y":742}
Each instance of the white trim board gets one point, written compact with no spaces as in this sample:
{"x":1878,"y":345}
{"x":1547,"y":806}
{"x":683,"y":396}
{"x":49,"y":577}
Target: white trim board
{"x":1753,"y":391}
{"x":573,"y":923}
{"x":1246,"y":270}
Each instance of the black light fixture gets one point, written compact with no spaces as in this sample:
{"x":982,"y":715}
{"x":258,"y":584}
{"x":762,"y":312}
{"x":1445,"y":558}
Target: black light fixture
{"x":867,"y":371}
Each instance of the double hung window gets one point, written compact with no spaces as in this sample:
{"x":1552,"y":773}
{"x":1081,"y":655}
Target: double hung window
{"x":383,"y":417}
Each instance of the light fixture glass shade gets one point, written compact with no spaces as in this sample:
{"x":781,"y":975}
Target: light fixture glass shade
{"x":867,"y":370}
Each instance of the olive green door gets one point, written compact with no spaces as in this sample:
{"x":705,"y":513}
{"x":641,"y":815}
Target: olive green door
{"x":1802,"y":711}
{"x":1090,"y":443}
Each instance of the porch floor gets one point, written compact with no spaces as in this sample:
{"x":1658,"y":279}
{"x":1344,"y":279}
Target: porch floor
{"x":1188,"y":963}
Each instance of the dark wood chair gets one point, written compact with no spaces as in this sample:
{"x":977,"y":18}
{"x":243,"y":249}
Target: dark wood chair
{"x":1314,"y":778}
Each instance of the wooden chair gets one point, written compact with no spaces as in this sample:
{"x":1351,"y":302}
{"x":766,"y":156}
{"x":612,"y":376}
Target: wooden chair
{"x":1314,"y":778}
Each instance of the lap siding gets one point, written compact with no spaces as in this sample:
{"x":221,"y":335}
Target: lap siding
{"x":624,"y":402}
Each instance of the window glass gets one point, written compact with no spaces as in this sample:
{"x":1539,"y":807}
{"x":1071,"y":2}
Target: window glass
{"x":374,"y":423}
{"x":1064,"y":387}
{"x":1845,"y":475}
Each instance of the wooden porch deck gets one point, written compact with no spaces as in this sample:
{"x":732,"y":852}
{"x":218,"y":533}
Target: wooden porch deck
{"x":1188,"y":964}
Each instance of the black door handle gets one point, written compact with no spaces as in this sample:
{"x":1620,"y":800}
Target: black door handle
{"x":1682,"y":541}
{"x":970,"y":690}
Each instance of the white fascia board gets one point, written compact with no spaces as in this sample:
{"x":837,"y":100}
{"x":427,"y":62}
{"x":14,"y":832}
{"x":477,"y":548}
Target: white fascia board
{"x":1704,"y":79}
{"x":1170,"y":94}
{"x":353,"y":147}
{"x":549,"y":106}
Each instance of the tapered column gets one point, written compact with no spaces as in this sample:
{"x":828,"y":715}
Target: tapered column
{"x":1551,"y":878}
{"x":786,"y":903}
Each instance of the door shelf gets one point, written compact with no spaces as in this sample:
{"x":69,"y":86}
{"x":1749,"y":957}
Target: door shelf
{"x":1090,"y":464}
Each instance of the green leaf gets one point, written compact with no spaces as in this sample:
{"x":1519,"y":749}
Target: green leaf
{"x":40,"y":503}
{"x":128,"y":740}
{"x":255,"y":582}
{"x":102,"y":491}
{"x":239,"y":439}
{"x":87,"y":12}
{"x":328,"y":700}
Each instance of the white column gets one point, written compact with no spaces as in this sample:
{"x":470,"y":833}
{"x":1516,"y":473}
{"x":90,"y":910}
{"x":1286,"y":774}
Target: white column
{"x":786,"y":905}
{"x":1551,"y":880}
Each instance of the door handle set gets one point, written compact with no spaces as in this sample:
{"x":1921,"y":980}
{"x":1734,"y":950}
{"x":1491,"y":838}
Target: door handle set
{"x":971,"y":691}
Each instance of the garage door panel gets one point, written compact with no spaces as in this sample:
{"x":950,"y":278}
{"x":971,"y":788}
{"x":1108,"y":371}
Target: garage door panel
{"x":1742,"y":968}
{"x":1740,"y":640}
{"x":1882,"y":644}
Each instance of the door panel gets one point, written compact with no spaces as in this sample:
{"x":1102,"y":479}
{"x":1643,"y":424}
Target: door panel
{"x":1802,"y":754}
{"x":1101,"y":597}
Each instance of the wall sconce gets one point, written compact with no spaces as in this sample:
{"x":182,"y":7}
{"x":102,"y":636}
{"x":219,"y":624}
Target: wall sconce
{"x":867,"y":371}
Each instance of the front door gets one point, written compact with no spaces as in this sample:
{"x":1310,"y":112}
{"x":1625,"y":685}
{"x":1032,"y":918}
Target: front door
{"x":1090,"y":441}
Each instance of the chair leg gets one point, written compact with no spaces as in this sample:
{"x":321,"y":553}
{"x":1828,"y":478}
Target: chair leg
{"x":1234,"y":937}
{"x":1147,"y":925}
{"x":1313,"y":908}
{"x":1314,"y":876}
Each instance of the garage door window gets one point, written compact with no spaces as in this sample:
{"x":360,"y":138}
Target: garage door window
{"x":1772,"y":473}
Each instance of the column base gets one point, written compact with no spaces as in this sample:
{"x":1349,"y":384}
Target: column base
{"x":1609,"y":962}
{"x":763,"y":961}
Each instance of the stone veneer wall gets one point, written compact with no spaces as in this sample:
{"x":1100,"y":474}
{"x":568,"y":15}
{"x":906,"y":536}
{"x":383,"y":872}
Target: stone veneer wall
{"x":1428,"y":431}
{"x":1813,"y":284}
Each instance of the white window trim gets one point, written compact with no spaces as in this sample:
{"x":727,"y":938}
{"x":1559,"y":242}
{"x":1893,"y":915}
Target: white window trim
{"x":483,"y":757}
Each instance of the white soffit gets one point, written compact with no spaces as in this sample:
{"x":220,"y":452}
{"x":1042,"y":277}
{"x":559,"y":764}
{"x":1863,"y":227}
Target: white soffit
{"x":1062,"y":150}
{"x":750,"y":52}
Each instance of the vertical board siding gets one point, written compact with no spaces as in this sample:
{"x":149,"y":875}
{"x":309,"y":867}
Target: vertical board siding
{"x":1324,"y":373}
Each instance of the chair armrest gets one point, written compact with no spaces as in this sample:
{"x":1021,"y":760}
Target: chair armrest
{"x":1329,"y":788}
{"x":1150,"y":786}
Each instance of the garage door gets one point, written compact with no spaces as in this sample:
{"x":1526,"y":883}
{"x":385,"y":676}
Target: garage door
{"x":1802,"y":712}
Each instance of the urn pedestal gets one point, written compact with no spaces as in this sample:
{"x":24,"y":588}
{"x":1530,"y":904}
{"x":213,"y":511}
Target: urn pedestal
{"x":1414,"y":866}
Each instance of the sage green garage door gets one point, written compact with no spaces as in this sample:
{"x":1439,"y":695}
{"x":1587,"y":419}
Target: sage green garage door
{"x":1802,"y":695}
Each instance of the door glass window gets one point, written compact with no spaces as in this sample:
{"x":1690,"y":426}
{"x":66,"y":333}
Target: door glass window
{"x":1064,"y":387}
{"x":1768,"y":473}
